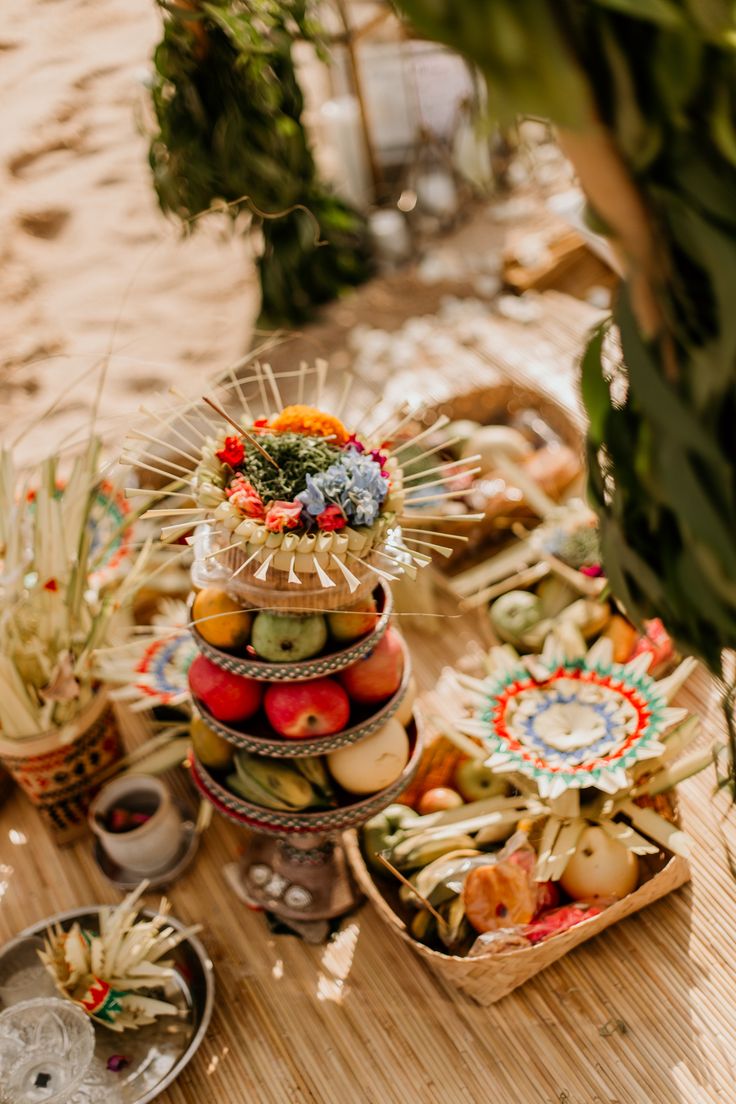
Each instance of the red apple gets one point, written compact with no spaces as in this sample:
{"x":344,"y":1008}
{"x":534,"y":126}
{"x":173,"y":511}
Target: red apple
{"x":228,"y":697}
{"x":438,"y":800}
{"x":378,"y":676}
{"x":317,"y":707}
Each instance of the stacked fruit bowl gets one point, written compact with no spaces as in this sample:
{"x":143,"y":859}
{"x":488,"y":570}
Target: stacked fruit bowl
{"x":301,"y":690}
{"x":302,"y":726}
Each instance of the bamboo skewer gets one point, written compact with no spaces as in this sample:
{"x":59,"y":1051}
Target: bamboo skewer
{"x":441,"y":548}
{"x":259,"y":378}
{"x":140,"y":435}
{"x":137,"y":492}
{"x":132,"y":462}
{"x":405,"y":414}
{"x":431,"y":452}
{"x":440,"y":517}
{"x":271,"y":377}
{"x":441,"y":422}
{"x":405,"y":881}
{"x":243,"y":432}
{"x":432,"y":533}
{"x":347,"y":385}
{"x":241,"y":395}
{"x":440,"y":483}
{"x":189,"y":404}
{"x":446,"y":468}
{"x":178,"y":469}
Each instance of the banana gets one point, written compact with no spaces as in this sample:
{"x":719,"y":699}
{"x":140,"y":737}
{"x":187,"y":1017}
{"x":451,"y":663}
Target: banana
{"x":421,"y":924}
{"x":425,"y":853}
{"x":313,"y":768}
{"x":281,"y":780}
{"x":245,"y":787}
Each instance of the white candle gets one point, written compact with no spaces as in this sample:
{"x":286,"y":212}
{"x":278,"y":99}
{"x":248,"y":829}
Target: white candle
{"x":342,"y":133}
{"x":436,"y":193}
{"x":390,"y":236}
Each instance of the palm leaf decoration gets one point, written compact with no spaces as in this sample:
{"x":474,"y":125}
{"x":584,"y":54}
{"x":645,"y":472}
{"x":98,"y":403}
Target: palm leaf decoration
{"x":228,"y":107}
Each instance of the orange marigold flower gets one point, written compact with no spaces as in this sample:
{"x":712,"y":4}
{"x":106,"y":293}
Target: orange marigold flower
{"x":311,"y":422}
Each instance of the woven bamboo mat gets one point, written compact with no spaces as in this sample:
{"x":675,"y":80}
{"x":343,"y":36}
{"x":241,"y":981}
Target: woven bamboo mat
{"x":643,"y":1014}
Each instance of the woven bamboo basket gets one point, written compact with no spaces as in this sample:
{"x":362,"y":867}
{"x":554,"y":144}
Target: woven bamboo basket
{"x":490,"y":405}
{"x":488,"y":978}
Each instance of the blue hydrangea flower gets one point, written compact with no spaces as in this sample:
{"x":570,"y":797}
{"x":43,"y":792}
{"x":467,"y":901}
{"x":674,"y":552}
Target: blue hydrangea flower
{"x":362,"y":506}
{"x":312,"y":499}
{"x":354,"y":483}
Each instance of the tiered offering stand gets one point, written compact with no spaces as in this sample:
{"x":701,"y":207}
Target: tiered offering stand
{"x":294,"y":864}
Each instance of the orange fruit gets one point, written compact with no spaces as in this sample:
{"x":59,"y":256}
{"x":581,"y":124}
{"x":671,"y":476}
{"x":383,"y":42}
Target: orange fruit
{"x":220,"y":620}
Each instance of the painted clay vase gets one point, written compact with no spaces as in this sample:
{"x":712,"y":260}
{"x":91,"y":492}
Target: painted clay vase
{"x":61,"y":770}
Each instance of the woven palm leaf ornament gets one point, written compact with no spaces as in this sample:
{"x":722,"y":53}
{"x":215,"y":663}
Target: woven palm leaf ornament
{"x":149,"y":669}
{"x":111,"y":972}
{"x":286,"y":497}
{"x":581,"y":737}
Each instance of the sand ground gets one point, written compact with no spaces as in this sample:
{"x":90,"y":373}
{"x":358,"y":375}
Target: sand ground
{"x":89,"y":267}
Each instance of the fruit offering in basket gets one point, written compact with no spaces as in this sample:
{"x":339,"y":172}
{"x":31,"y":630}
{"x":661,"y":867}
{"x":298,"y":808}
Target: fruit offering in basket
{"x":532,"y":811}
{"x":523,"y":470}
{"x":557,"y":585}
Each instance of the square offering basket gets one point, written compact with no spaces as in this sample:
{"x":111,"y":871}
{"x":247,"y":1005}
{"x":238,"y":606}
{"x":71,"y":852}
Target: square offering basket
{"x":489,"y":977}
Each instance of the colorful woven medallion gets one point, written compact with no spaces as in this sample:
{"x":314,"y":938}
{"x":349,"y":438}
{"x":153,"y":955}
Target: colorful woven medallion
{"x":571,"y":723}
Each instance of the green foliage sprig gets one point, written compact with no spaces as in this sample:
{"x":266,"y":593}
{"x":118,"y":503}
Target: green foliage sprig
{"x":228,"y":107}
{"x":297,"y":456}
{"x":644,"y":92}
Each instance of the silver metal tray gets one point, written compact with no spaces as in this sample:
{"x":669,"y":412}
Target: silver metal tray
{"x":158,"y":1053}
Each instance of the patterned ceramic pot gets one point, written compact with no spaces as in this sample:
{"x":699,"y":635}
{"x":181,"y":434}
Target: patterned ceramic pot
{"x":61,"y":777}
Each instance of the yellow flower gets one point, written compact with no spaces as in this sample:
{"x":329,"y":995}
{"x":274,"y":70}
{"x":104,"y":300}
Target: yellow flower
{"x":311,"y":422}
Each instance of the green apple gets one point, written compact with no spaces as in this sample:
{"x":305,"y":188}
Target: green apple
{"x":475,"y":781}
{"x":514,"y":614}
{"x":288,"y":637}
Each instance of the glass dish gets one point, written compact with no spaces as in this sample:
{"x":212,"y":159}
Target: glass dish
{"x":22,"y":974}
{"x":46,"y":1046}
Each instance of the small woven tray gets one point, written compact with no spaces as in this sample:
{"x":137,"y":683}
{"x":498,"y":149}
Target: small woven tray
{"x":491,"y":405}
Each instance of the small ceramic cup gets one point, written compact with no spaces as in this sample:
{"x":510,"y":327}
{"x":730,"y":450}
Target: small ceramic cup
{"x":149,"y":848}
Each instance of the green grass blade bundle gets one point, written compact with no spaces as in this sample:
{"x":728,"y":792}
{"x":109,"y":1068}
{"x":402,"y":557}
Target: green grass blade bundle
{"x":59,"y":532}
{"x":228,"y":107}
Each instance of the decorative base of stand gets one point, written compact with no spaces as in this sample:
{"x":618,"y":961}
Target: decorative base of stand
{"x":298,"y":878}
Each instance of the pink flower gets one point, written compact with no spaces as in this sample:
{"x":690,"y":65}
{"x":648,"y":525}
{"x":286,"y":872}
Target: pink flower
{"x":245,"y":498}
{"x":232,"y":452}
{"x":283,"y":515}
{"x":380,"y":458}
{"x":331,"y":518}
{"x":353,"y":442}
